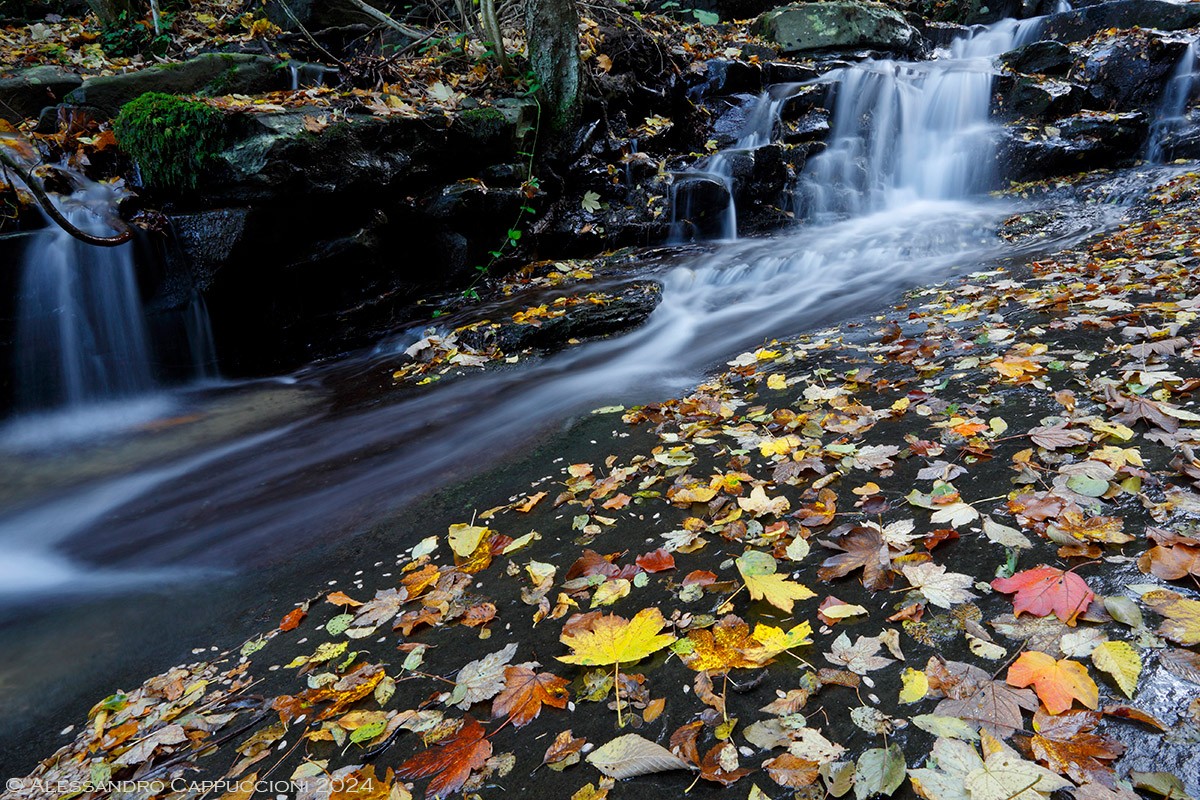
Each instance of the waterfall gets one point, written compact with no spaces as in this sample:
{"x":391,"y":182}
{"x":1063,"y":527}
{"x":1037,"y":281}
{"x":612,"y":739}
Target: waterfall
{"x":905,"y":131}
{"x":757,"y":130}
{"x":81,"y":331}
{"x":1171,"y":116}
{"x":201,"y":346}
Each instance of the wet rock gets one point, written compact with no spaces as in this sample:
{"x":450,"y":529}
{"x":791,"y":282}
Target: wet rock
{"x":1084,"y":141}
{"x":969,"y":12}
{"x":1130,"y":69}
{"x":207,"y":240}
{"x":628,"y":308}
{"x":1181,"y":138}
{"x":941,"y":34}
{"x":1039,"y":98}
{"x":1040,"y":58}
{"x":813,"y":126}
{"x":1081,"y":23}
{"x":215,"y":73}
{"x":732,"y":113}
{"x":25,"y":92}
{"x":837,"y":24}
{"x":725,"y":76}
{"x":803,"y":101}
{"x":787,"y":72}
{"x":700,"y":207}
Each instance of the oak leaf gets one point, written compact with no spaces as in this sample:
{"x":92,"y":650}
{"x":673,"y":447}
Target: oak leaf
{"x":1058,"y":683}
{"x":1044,"y":590}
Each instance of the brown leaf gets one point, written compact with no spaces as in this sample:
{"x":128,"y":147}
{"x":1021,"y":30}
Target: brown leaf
{"x":525,"y":693}
{"x":792,"y":771}
{"x":720,"y":765}
{"x":659,"y":560}
{"x":450,"y":761}
{"x":566,"y":748}
{"x":972,"y":695}
{"x":292,"y":619}
{"x":862,"y":548}
{"x":1066,"y":744}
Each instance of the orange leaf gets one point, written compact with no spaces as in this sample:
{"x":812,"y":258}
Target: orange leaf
{"x":292,"y":619}
{"x":341,"y":599}
{"x":1043,"y":590}
{"x":656,"y":561}
{"x":1057,"y":683}
{"x":450,"y":761}
{"x":525,"y":693}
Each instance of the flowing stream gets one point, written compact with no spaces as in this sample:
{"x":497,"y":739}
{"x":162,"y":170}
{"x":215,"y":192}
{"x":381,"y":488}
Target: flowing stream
{"x":897,"y":200}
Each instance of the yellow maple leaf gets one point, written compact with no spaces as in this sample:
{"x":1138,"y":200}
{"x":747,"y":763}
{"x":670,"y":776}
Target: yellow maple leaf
{"x":775,"y":640}
{"x":616,"y":640}
{"x":758,"y":570}
{"x":1120,"y":660}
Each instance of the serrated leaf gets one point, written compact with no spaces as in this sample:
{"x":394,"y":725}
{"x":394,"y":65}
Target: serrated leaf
{"x":1120,"y":660}
{"x":631,"y":755}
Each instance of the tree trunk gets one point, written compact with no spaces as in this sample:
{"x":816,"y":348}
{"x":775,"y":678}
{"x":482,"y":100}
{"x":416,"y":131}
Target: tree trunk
{"x":109,"y":11}
{"x":552,"y":28}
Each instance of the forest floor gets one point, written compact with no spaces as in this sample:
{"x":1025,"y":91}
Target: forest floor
{"x":950,"y":548}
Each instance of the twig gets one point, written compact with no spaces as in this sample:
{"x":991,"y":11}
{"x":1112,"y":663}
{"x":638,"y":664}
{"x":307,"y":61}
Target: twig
{"x":124,"y":233}
{"x":384,"y":19}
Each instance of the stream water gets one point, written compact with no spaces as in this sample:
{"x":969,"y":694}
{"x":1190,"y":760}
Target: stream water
{"x":896,"y":200}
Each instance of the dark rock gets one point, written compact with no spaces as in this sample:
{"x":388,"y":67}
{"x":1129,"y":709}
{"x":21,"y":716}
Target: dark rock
{"x":733,"y":112}
{"x":813,"y":126}
{"x":1039,"y":98}
{"x":317,"y":15}
{"x":1130,"y":69}
{"x":724,"y":76}
{"x":1085,"y":141}
{"x":699,"y":208}
{"x":1081,"y":23}
{"x":968,"y":12}
{"x":215,"y":73}
{"x":941,"y":34}
{"x":25,"y":92}
{"x":837,"y":24}
{"x":1040,"y":58}
{"x":802,"y":101}
{"x":787,"y":72}
{"x":629,"y":308}
{"x":1179,"y":138}
{"x":207,"y":240}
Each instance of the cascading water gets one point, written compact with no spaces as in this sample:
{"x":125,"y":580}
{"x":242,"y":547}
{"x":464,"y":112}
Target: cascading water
{"x":1171,"y":117}
{"x":81,"y":331}
{"x":906,"y":131}
{"x":757,"y":130}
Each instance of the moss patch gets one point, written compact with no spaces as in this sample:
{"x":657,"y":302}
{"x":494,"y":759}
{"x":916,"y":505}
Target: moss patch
{"x":171,"y":139}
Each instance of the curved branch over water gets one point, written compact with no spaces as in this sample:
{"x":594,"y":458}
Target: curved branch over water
{"x":123,"y":235}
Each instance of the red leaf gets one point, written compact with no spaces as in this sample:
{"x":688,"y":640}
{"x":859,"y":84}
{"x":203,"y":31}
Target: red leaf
{"x":1044,"y":590}
{"x":450,"y":761}
{"x":656,"y":561}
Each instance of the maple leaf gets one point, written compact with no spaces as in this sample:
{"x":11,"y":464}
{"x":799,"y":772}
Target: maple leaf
{"x":972,"y":695}
{"x":1004,"y":775}
{"x":759,"y":505}
{"x":1066,"y":744}
{"x":1058,"y":683}
{"x":863,"y":548}
{"x":1042,"y":590}
{"x":615,"y":640}
{"x":943,"y":589}
{"x":758,"y":570}
{"x":481,"y":679}
{"x":859,"y":657}
{"x":726,"y":645}
{"x":450,"y":761}
{"x":526,"y":691}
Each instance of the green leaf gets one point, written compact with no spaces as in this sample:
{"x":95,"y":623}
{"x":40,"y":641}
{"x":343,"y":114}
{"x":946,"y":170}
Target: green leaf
{"x":338,"y":625}
{"x":880,"y":770}
{"x":368,"y":732}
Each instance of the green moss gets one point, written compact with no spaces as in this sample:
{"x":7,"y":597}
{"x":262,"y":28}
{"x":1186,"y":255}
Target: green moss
{"x":484,"y":123}
{"x":171,"y":139}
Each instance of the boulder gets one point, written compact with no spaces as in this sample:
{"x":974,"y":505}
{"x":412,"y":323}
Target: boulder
{"x":1085,"y":141}
{"x":1037,"y":98}
{"x":969,"y":12}
{"x":1081,"y":23}
{"x":837,"y":24}
{"x":25,"y":92}
{"x":1040,"y":58}
{"x":1129,"y":70}
{"x":212,"y":73}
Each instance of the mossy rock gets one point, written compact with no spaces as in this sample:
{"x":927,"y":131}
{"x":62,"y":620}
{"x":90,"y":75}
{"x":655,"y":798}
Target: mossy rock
{"x":210,"y":73}
{"x":836,"y":24}
{"x":170,"y":139}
